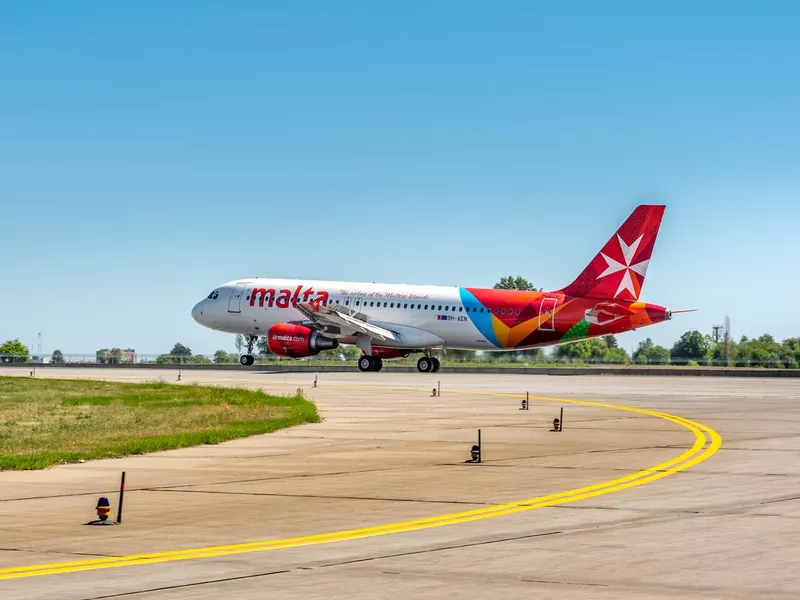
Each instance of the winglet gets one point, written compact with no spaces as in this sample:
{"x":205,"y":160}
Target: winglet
{"x":618,"y":270}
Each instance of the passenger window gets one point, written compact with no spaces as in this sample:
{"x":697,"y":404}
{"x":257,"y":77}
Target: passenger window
{"x":406,"y":306}
{"x":447,"y":308}
{"x":460,"y":309}
{"x":372,"y":304}
{"x":248,"y":297}
{"x":391,"y":305}
{"x":517,"y":311}
{"x":495,"y":311}
{"x":502,"y":312}
{"x":347,"y":302}
{"x":358,"y":302}
{"x":384,"y":305}
{"x":337,"y":302}
{"x":440,"y":307}
{"x":426,"y":307}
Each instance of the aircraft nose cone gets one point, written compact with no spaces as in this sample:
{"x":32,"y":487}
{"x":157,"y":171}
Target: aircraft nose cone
{"x":197,"y":312}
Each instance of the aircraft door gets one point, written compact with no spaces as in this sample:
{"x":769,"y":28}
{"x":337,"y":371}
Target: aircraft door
{"x":235,"y":301}
{"x":547,"y":314}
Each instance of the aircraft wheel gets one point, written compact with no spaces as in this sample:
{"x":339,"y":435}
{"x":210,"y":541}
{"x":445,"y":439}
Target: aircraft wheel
{"x":424,"y":365}
{"x":365,"y":363}
{"x":378,"y":364}
{"x":246,"y":360}
{"x":436,"y":364}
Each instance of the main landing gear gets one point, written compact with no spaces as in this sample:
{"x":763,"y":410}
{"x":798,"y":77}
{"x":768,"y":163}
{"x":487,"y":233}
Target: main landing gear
{"x":428,"y":364}
{"x":247,"y":359}
{"x":369,"y":363}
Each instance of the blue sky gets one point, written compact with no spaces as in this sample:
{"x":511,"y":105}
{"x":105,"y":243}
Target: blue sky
{"x":151,"y":150}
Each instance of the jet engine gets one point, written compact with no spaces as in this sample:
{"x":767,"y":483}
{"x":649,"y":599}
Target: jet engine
{"x":297,"y":341}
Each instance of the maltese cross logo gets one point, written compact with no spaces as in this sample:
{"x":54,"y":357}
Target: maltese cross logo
{"x":614,"y":266}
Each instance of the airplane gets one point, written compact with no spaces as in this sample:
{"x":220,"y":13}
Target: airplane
{"x":302,"y":318}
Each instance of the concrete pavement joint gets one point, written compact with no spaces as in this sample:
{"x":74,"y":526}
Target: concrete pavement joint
{"x":438,"y":549}
{"x":332,"y":497}
{"x":188,"y":585}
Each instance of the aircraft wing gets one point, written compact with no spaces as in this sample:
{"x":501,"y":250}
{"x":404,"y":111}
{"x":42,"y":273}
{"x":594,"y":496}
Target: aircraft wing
{"x":346,"y":318}
{"x":358,"y":325}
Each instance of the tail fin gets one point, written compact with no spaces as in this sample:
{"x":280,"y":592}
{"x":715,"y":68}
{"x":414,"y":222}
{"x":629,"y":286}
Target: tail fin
{"x":618,"y":270}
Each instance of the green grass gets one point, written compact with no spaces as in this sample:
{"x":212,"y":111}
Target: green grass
{"x":44,"y":422}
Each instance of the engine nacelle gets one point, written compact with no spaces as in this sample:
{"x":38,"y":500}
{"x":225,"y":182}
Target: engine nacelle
{"x":297,"y":341}
{"x":389,"y":353}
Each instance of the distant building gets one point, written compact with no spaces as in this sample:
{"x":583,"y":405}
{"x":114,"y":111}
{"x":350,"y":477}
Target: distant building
{"x":115,"y":356}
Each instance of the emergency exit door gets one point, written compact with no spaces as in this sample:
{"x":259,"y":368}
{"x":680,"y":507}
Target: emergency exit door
{"x":547,"y":320}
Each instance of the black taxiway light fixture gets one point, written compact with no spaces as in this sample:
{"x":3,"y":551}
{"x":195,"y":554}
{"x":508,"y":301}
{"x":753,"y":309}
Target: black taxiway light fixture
{"x":558,"y":423}
{"x":103,"y":508}
{"x":475,"y":451}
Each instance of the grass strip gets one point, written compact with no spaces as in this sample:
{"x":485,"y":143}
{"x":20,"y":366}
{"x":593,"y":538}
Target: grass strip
{"x":44,"y":422}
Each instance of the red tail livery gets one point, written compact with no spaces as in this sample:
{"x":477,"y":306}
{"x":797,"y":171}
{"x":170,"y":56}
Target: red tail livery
{"x":618,"y":270}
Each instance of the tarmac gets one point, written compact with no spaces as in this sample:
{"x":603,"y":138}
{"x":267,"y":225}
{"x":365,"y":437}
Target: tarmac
{"x":657,"y":487}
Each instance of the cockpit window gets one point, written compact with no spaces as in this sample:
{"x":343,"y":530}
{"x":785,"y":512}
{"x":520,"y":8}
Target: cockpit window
{"x":213,"y":295}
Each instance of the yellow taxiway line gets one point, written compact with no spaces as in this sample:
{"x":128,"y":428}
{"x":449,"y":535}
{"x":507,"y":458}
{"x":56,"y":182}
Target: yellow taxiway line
{"x":706,"y":443}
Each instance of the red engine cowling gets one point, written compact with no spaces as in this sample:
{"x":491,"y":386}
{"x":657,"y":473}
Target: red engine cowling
{"x":297,"y":341}
{"x":389,"y":353}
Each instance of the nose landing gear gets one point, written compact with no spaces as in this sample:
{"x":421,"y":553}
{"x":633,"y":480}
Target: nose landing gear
{"x":247,"y":359}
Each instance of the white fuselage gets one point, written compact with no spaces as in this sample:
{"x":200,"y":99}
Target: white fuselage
{"x":428,"y":316}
